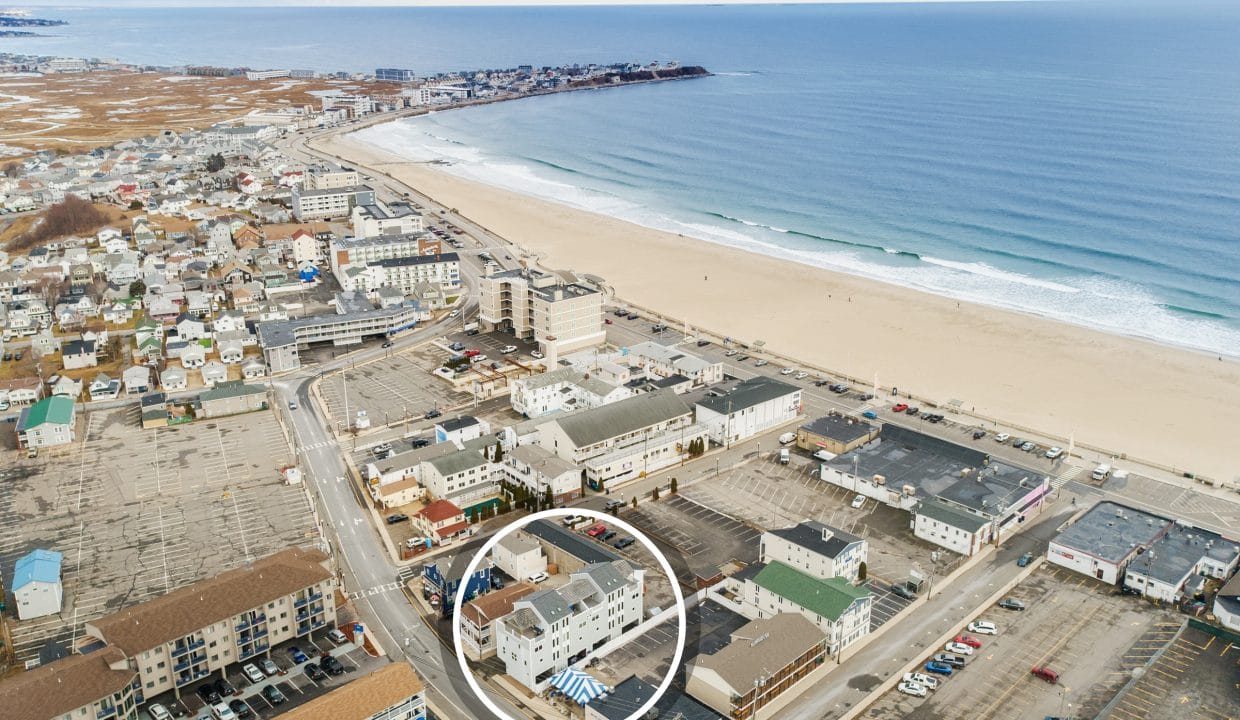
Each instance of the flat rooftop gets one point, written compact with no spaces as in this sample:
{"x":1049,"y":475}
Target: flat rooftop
{"x":938,"y":468}
{"x":1176,"y":554}
{"x":587,"y":551}
{"x":841,"y":428}
{"x":1110,"y":531}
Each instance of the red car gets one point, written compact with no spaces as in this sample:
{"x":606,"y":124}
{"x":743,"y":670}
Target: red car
{"x":597,"y":530}
{"x":1046,"y":674}
{"x":969,"y":640}
{"x":607,"y":320}
{"x":900,"y":407}
{"x":472,"y":353}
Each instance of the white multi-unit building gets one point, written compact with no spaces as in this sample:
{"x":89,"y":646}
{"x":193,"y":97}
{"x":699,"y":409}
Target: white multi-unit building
{"x":311,"y":204}
{"x":460,"y":476}
{"x":385,"y":219}
{"x":751,"y":408}
{"x":663,"y":361}
{"x":834,"y":605}
{"x":815,"y":549}
{"x":550,"y":629}
{"x":539,"y":471}
{"x":405,"y":274}
{"x":623,"y":440}
{"x":560,"y":316}
{"x":179,"y":638}
{"x":562,"y":390}
{"x":519,"y":555}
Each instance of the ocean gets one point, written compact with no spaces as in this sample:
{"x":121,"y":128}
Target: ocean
{"x":1079,"y":161}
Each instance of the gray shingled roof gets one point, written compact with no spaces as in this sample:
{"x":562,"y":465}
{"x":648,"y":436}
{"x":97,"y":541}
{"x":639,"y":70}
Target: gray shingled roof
{"x":809,"y":536}
{"x":762,"y":648}
{"x":595,"y":425}
{"x":456,"y":462}
{"x":936,"y":509}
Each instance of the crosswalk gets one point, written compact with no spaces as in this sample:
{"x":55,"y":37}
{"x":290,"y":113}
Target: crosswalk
{"x":318,"y":445}
{"x":376,"y":590}
{"x":1070,"y":473}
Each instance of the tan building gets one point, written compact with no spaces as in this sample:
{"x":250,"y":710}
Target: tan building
{"x":393,"y":692}
{"x":560,"y":316}
{"x":100,"y":684}
{"x":230,"y":398}
{"x":180,"y":638}
{"x":395,"y":494}
{"x":331,"y":177}
{"x":835,"y":433}
{"x":755,"y":674}
{"x":479,"y":616}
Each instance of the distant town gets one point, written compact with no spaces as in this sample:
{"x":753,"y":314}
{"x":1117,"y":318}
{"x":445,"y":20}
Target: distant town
{"x":261,"y":406}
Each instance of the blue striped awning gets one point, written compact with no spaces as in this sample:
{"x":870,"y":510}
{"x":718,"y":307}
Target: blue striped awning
{"x":578,"y":685}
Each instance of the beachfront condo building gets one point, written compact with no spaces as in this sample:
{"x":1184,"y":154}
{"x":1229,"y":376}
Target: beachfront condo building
{"x":551,"y":629}
{"x":98,"y":684}
{"x":331,"y":202}
{"x":561,"y":316}
{"x":397,"y":218}
{"x":360,"y":251}
{"x":178,"y":639}
{"x":443,"y":272}
{"x":331,"y":177}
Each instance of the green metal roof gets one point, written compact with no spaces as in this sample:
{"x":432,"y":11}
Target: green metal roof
{"x":827,"y":598}
{"x":57,"y":409}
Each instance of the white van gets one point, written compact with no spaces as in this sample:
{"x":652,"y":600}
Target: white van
{"x":1101,"y":472}
{"x":784,"y":456}
{"x":824,"y":456}
{"x":787,"y":438}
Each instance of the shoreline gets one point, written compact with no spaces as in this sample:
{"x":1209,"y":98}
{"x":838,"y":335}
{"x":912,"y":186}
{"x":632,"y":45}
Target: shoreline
{"x":1163,"y":404}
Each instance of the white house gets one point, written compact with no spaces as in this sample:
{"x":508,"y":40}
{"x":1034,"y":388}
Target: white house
{"x":539,"y":470}
{"x":214,"y":371}
{"x":47,"y":423}
{"x":563,"y":389}
{"x":815,"y":549}
{"x":519,"y":555}
{"x":137,"y":380}
{"x":173,"y":378}
{"x":751,"y":408}
{"x":665,"y":361}
{"x":36,"y":584}
{"x":834,"y":605}
{"x":598,"y":604}
{"x":460,"y":429}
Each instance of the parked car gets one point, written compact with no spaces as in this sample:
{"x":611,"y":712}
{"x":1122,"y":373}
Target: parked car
{"x":298,"y":656}
{"x":899,"y":407}
{"x":631,"y":316}
{"x":208,"y":693}
{"x":224,"y":688}
{"x":240,"y":709}
{"x":1024,"y":559}
{"x":273,"y":695}
{"x":454,"y":313}
{"x":968,"y":640}
{"x":858,"y":501}
{"x":536,"y":355}
{"x":731,"y":353}
{"x":820,"y":382}
{"x":221,"y":711}
{"x":958,"y":648}
{"x":252,"y":673}
{"x":912,"y":411}
{"x":508,"y":349}
{"x":456,"y":346}
{"x":337,"y":637}
{"x":801,"y":375}
{"x":314,"y":672}
{"x":596,"y":530}
{"x":914,"y":689}
{"x":1045,"y":673}
{"x":939,"y":668}
{"x":983,"y":627}
{"x":268,"y":667}
{"x":660,"y":327}
{"x":292,"y":404}
{"x":1011,"y":604}
{"x":622,"y":543}
{"x":538,"y":577}
{"x":703,"y":343}
{"x":1018,"y":442}
{"x":1002,"y":437}
{"x":1054,"y":453}
{"x":956,"y":661}
{"x":397,"y":518}
{"x":613,"y":504}
{"x":903,"y":591}
{"x":742,"y":358}
{"x":158,"y":712}
{"x":1029,"y":446}
{"x":420,"y":442}
{"x":330,"y":665}
{"x":786,"y":371}
{"x":760,"y":363}
{"x":432,"y":414}
{"x":869,"y":415}
{"x":922,"y":679}
{"x":979,"y":434}
{"x":620,"y":312}
{"x":607,"y":536}
{"x":387,"y":344}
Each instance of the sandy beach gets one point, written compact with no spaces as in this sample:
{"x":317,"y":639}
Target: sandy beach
{"x":1174,"y":407}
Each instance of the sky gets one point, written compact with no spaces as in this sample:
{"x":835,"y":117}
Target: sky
{"x":393,"y":3}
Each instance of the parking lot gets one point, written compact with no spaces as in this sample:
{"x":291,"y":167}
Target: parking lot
{"x":706,"y":539}
{"x":391,"y":388}
{"x":1197,"y":677}
{"x":292,"y":681}
{"x":1073,"y":625}
{"x":709,"y":626}
{"x":770,"y":495}
{"x":137,"y":513}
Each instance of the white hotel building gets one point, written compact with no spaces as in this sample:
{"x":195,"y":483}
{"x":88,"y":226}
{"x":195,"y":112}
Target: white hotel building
{"x":549,"y":630}
{"x":751,"y":408}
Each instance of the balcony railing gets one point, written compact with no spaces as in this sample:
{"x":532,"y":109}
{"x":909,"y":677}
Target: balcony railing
{"x":182,"y":649}
{"x":106,"y":712}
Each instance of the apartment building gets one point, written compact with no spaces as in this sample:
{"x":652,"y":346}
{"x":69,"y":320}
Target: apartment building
{"x":406,"y":273}
{"x":560,"y":316}
{"x":311,"y":204}
{"x":663,"y":361}
{"x":280,"y":339}
{"x":462,"y":476}
{"x":395,"y":75}
{"x":550,"y":629}
{"x":393,"y":692}
{"x":834,"y":605}
{"x":751,"y":408}
{"x":755,"y":674}
{"x":541,"y":471}
{"x":478,"y":618}
{"x":331,"y":177}
{"x":816,"y":549}
{"x":562,"y":390}
{"x":186,"y":635}
{"x":623,"y":440}
{"x":398,"y":218}
{"x":100,"y":685}
{"x":360,"y":251}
